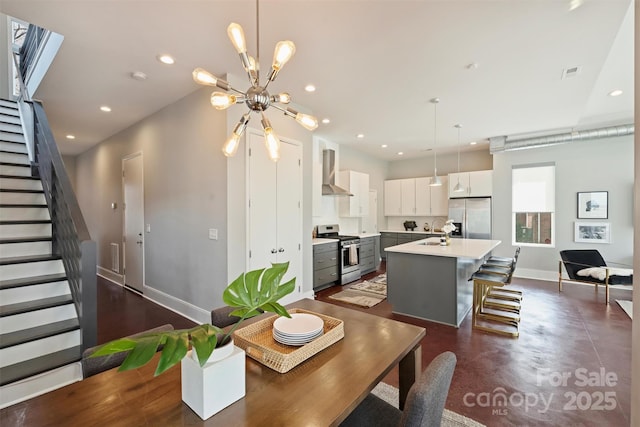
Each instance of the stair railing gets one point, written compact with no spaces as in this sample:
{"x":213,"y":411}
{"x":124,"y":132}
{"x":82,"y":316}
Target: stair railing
{"x":71,"y":239}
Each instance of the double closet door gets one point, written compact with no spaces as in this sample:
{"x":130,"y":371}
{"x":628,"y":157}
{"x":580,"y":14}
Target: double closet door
{"x":275,"y":208}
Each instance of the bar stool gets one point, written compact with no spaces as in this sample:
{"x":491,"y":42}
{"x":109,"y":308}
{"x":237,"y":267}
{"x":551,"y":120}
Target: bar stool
{"x":482,"y":284}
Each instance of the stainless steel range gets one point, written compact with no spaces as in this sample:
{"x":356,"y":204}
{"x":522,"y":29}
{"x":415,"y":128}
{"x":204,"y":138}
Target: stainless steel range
{"x":348,"y":252}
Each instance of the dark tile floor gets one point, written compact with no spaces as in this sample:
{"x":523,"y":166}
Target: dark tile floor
{"x":560,"y":371}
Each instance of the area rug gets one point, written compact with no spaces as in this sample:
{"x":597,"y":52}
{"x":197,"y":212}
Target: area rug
{"x":627,"y":306}
{"x":390,"y":395}
{"x":370,"y":286}
{"x":361,"y":298}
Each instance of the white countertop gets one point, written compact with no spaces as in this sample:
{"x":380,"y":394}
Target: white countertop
{"x":321,"y":241}
{"x":365,"y":235}
{"x":414,"y":232}
{"x":459,"y":248}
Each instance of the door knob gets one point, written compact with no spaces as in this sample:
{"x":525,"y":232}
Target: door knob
{"x":281,"y":250}
{"x":273,"y":251}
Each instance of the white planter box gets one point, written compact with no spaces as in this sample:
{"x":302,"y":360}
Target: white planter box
{"x":211,"y":388}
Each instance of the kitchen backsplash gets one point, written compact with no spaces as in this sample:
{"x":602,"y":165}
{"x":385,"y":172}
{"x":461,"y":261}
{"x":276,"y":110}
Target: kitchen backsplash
{"x":397,"y":222}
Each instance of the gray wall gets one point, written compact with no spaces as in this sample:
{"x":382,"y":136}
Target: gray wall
{"x":600,"y":165}
{"x":185,"y":179}
{"x":70,"y":167}
{"x":475,"y":160}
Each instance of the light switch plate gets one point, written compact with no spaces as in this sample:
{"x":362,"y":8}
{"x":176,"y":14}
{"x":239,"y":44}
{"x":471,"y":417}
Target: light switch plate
{"x":148,"y":228}
{"x":213,"y":234}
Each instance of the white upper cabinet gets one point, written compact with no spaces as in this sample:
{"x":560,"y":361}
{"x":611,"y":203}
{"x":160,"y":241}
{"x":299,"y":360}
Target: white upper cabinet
{"x":415,"y":197}
{"x":423,"y":196}
{"x":408,"y":198}
{"x":393,"y":198}
{"x":358,"y":184}
{"x":476,"y":184}
{"x":440,"y":199}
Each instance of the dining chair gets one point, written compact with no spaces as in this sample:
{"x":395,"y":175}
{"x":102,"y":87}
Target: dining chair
{"x":95,"y":365}
{"x":424,"y":405}
{"x":221,"y":318}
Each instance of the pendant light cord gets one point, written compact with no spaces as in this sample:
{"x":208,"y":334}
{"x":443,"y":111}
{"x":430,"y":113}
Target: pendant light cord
{"x":258,"y":37}
{"x":435,"y":127}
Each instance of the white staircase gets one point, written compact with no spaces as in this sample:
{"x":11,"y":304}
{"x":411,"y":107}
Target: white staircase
{"x":39,"y":328}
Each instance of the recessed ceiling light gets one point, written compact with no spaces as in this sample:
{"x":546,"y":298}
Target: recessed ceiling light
{"x":384,"y":145}
{"x":360,"y":136}
{"x":400,"y":153}
{"x":326,"y":121}
{"x":310,"y":88}
{"x":472,"y":66}
{"x":574,"y":4}
{"x":616,"y":92}
{"x":105,"y":108}
{"x":166,"y":59}
{"x":71,"y":136}
{"x":138,"y":75}
{"x":473,"y":143}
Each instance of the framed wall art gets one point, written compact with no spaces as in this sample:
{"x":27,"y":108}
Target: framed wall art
{"x":593,"y":205}
{"x":592,"y":232}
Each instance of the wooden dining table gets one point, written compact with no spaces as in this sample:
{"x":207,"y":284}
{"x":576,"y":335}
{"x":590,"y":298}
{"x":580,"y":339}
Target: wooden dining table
{"x":321,"y":391}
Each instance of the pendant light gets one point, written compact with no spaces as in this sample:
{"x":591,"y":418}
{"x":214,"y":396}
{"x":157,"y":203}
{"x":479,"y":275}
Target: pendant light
{"x":458,"y":188}
{"x":255,"y":97}
{"x":435,"y":181}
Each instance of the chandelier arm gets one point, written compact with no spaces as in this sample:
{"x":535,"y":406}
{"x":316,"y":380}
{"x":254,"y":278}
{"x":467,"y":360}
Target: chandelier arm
{"x":232,"y":89}
{"x":286,"y":113}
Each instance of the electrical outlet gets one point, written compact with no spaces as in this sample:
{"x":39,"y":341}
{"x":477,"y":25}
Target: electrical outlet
{"x":213,"y":234}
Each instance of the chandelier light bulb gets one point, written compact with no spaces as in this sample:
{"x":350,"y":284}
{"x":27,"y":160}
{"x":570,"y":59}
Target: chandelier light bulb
{"x":272,"y":143}
{"x":283,"y":53}
{"x":203,"y":77}
{"x":307,"y":121}
{"x":222,"y":101}
{"x":236,"y":34}
{"x":283,"y":98}
{"x":253,"y":65}
{"x":230,"y":147}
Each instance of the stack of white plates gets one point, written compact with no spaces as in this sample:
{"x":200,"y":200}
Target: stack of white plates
{"x":298,"y":330}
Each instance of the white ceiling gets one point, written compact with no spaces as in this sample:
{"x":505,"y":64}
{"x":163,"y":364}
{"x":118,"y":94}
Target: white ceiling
{"x":376,"y":64}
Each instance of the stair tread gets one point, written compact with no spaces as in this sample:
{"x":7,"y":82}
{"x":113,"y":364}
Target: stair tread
{"x":22,"y":165}
{"x":38,"y":332}
{"x":28,"y":239}
{"x":25,"y":221}
{"x":39,"y":304}
{"x":35,"y":178}
{"x":28,"y":258}
{"x":20,"y":190}
{"x":23,"y":205}
{"x":41,"y":364}
{"x":33,"y":280}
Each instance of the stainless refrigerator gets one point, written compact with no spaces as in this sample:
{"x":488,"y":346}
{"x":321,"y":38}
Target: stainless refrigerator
{"x":472,"y":217}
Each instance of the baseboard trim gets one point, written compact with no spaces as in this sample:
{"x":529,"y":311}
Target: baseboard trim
{"x":183,"y":308}
{"x":109,"y":275}
{"x":530,"y":273}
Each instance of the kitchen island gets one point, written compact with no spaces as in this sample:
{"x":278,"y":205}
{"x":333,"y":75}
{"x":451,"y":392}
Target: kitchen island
{"x":429,"y":281}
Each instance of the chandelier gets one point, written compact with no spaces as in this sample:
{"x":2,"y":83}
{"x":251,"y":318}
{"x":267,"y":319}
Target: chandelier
{"x":256,"y":97}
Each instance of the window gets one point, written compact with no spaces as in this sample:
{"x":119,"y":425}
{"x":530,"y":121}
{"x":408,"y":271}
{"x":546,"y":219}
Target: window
{"x":533,"y":205}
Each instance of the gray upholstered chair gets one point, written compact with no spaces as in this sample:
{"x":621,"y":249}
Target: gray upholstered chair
{"x":95,"y":365}
{"x":221,"y":318}
{"x":424,"y":405}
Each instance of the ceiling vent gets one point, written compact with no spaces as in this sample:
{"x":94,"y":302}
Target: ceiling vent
{"x":571,"y":72}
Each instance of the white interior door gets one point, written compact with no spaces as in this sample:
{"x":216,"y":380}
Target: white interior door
{"x":133,"y":242}
{"x":275,"y":218}
{"x":262,"y":205}
{"x":289,"y":209}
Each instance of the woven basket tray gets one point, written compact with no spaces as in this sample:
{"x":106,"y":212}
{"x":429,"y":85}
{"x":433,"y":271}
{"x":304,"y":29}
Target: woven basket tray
{"x":257,"y":341}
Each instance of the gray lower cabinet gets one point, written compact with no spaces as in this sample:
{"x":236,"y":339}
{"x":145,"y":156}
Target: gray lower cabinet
{"x":388,"y":239}
{"x":369,"y":249}
{"x":325,"y":265}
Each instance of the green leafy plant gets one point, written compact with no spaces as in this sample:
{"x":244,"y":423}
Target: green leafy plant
{"x":250,"y":294}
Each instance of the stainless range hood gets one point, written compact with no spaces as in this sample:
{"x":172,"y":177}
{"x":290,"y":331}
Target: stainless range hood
{"x":329,"y":187}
